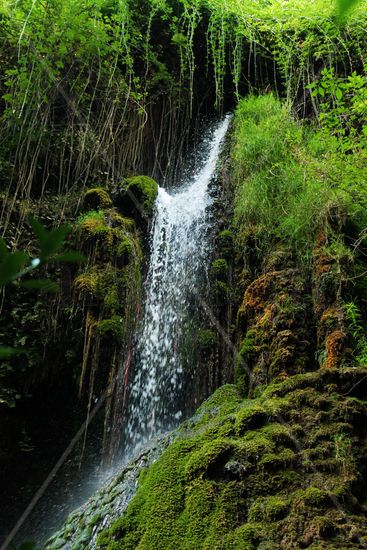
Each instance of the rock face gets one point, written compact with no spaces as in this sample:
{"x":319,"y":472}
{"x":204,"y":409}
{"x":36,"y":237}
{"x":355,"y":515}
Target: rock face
{"x":109,"y":503}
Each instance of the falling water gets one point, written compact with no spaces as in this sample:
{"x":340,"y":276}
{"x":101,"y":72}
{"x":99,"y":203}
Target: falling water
{"x":179,"y":250}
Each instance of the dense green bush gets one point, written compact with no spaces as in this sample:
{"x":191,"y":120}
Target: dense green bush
{"x":288,"y":176}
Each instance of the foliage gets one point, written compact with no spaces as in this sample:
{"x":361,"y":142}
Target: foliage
{"x":344,"y":6}
{"x":358,"y":332}
{"x":343,"y":107}
{"x":114,"y":68}
{"x":15,"y":265}
{"x":281,"y":189}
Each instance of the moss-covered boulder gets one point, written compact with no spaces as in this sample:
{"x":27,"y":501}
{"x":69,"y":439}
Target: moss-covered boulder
{"x":96,"y":198}
{"x":135,"y":197}
{"x":283,"y":470}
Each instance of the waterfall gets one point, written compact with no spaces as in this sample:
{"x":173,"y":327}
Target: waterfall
{"x":179,"y":249}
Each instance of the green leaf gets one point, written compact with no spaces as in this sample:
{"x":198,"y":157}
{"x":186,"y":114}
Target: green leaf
{"x":45,"y":285}
{"x":38,"y":230}
{"x":6,"y":352}
{"x":70,"y":257}
{"x":49,"y":241}
{"x":11,"y":266}
{"x":338,"y":94}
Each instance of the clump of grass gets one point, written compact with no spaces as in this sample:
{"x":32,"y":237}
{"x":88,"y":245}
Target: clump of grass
{"x":281,"y":188}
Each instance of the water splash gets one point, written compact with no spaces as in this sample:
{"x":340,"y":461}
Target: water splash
{"x":180,"y":243}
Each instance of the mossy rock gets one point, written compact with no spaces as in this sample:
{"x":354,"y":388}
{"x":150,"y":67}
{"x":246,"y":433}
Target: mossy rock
{"x":104,"y":284}
{"x":97,"y":198}
{"x":312,"y":497}
{"x":125,"y":250}
{"x":207,"y":459}
{"x":269,"y":509}
{"x":135,"y":198}
{"x":250,"y":417}
{"x":235,"y":476}
{"x":113,"y":327}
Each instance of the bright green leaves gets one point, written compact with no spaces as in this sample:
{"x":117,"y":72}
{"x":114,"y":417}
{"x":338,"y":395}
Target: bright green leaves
{"x":15,"y":265}
{"x":49,"y":241}
{"x":6,"y":352}
{"x":343,"y":107}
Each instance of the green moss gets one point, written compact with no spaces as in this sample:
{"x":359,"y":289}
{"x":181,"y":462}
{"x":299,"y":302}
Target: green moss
{"x":87,"y":283}
{"x":97,"y":198}
{"x":235,"y":477}
{"x":279,"y":433}
{"x":145,"y":190}
{"x":253,"y":446}
{"x":219,"y":269}
{"x":267,"y":509}
{"x":243,"y":362}
{"x":250,"y":417}
{"x":312,"y":496}
{"x":225,"y":399}
{"x":93,"y":220}
{"x":125,"y":249}
{"x":113,"y":327}
{"x":245,"y":537}
{"x":207,"y":457}
{"x":206,"y":338}
{"x":277,"y":460}
{"x":123,"y":222}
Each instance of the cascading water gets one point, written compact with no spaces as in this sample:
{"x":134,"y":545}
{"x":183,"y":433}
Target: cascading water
{"x":179,"y":249}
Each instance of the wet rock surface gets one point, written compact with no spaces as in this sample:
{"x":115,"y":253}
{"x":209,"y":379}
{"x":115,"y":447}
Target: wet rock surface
{"x":109,"y":503}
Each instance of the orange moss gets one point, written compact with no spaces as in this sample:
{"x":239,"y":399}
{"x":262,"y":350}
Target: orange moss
{"x":331,"y":314}
{"x":321,"y":239}
{"x":267,"y":315}
{"x":323,"y":263}
{"x":257,"y":291}
{"x":334,"y":349}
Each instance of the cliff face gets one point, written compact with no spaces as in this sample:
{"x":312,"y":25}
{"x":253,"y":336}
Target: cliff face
{"x":276,"y":460}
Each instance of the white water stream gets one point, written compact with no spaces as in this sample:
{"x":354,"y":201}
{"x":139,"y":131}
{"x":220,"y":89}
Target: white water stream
{"x":179,"y":250}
